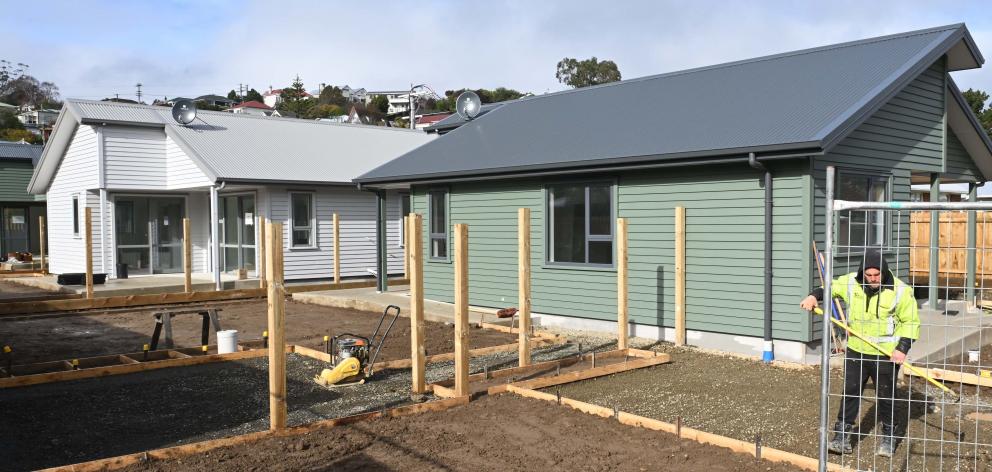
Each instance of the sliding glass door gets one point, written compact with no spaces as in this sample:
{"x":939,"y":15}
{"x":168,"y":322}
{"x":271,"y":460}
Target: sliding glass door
{"x":149,"y":232}
{"x":237,"y":232}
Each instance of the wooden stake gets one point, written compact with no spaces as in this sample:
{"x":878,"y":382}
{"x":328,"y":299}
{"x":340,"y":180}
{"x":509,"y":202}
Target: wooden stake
{"x":461,"y":310}
{"x":187,"y":257}
{"x":261,"y":251}
{"x":89,"y":252}
{"x":337,"y":249}
{"x":680,"y":276}
{"x":41,"y":242}
{"x":523,"y":283}
{"x":417,"y":327}
{"x":623,"y":317}
{"x":406,"y":247}
{"x":277,"y":333}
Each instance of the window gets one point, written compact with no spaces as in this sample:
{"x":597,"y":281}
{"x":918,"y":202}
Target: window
{"x":438,"y":214}
{"x":581,"y":224}
{"x":404,"y":212}
{"x":862,"y":228}
{"x":302,"y":219}
{"x":75,"y":215}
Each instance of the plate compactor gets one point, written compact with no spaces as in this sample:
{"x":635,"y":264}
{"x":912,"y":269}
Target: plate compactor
{"x":354,"y":356}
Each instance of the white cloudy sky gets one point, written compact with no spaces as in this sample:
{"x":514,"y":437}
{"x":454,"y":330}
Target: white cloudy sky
{"x":96,"y":49}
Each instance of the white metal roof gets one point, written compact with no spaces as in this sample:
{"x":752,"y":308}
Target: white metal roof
{"x":242,"y":147}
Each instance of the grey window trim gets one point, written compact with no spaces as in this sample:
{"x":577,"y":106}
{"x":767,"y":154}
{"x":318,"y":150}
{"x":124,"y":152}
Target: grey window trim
{"x":403,"y":215}
{"x":872,"y":176}
{"x":313,"y":220}
{"x":549,"y":224}
{"x":431,"y":236}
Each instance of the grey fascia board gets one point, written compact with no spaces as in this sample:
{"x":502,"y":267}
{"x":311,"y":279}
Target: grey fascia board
{"x":188,"y":150}
{"x":236,"y":180}
{"x":956,"y":93}
{"x":69,"y":111}
{"x":605,"y":164}
{"x":972,"y":46}
{"x":835,"y":132}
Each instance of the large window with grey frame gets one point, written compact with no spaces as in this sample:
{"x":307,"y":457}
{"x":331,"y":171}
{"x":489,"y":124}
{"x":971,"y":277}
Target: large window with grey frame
{"x":580,"y":223}
{"x":437,"y":201}
{"x":863,"y":228}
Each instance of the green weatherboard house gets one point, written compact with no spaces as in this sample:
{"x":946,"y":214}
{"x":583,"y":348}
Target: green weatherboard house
{"x":884,"y":111}
{"x":19,"y":210}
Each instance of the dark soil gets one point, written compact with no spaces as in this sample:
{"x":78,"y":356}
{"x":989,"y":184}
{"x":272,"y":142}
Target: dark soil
{"x":501,"y":434}
{"x":742,"y":398}
{"x":45,"y":338}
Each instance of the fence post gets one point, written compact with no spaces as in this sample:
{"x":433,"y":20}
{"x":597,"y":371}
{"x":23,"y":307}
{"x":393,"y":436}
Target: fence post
{"x":41,"y":242}
{"x":623,"y":317}
{"x":971,"y":247}
{"x":88,"y":227}
{"x":934,"y":282}
{"x":461,"y":310}
{"x":680,"y":276}
{"x":523,"y":284}
{"x":417,"y":354}
{"x":187,"y":258}
{"x":277,"y":324}
{"x":406,"y":247}
{"x":261,"y":253}
{"x":337,"y":249}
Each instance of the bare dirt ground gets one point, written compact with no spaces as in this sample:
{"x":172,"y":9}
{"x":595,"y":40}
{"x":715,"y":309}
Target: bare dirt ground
{"x":742,"y":398}
{"x":45,"y":338}
{"x":492,"y":434}
{"x":11,"y":292}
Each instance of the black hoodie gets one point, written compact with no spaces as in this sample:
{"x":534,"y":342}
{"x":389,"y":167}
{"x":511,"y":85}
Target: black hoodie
{"x":873,"y":258}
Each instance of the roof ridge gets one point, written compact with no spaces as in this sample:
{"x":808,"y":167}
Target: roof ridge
{"x":753,"y":60}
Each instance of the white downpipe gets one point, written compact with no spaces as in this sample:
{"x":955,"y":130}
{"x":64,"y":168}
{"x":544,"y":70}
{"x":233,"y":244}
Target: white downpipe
{"x":104,"y":218}
{"x":214,"y":241}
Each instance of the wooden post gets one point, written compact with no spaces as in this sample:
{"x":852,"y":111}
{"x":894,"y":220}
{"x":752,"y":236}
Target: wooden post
{"x":523,"y":284}
{"x":277,"y":323}
{"x":261,"y":252}
{"x":41,"y":242}
{"x":461,"y":310}
{"x":406,"y":247}
{"x":680,"y":276}
{"x":187,"y":257}
{"x":88,"y":227}
{"x":623,"y":317}
{"x":337,"y":249}
{"x":417,"y":354}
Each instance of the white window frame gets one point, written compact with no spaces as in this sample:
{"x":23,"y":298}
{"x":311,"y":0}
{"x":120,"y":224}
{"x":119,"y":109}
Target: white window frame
{"x":431,"y":236}
{"x":549,"y":224}
{"x":76,"y":220}
{"x":313,"y":221}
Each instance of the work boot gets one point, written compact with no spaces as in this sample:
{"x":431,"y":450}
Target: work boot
{"x":887,"y":444}
{"x":841,"y":442}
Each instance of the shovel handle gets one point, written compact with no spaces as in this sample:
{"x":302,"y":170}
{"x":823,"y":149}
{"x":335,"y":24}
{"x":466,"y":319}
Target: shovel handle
{"x":910,"y":367}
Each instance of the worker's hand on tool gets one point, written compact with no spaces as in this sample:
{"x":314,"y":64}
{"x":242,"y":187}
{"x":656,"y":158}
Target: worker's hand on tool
{"x":809,"y":303}
{"x":898,"y":357}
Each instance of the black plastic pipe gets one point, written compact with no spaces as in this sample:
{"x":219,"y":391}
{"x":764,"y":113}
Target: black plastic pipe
{"x":768,"y":354}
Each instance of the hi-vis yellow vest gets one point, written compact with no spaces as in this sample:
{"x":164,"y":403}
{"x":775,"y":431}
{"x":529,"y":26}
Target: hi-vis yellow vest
{"x":884,"y":318}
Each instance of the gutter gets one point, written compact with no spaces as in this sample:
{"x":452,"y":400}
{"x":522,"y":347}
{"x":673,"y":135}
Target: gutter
{"x":768,"y":354}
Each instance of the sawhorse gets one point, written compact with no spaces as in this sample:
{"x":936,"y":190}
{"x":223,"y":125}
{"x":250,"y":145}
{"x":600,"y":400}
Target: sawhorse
{"x":163,"y":322}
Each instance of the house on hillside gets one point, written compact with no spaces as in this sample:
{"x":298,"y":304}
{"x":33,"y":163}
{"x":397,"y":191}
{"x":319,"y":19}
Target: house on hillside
{"x":885,"y":111}
{"x":38,"y":120}
{"x":19,"y":210}
{"x":141,"y":173}
{"x":430,"y":119}
{"x":252,"y":108}
{"x":273,"y":97}
{"x":216,"y":100}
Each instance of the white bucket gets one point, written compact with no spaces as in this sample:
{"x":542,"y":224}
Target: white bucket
{"x":973,"y":355}
{"x":227,"y":341}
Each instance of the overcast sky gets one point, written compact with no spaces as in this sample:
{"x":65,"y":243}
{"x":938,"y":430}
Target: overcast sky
{"x":96,"y":49}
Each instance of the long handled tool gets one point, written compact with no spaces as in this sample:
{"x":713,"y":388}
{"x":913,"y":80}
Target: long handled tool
{"x":906,"y":364}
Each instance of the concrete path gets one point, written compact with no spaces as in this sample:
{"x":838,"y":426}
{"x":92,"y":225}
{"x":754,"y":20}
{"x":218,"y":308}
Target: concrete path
{"x":950,"y":331}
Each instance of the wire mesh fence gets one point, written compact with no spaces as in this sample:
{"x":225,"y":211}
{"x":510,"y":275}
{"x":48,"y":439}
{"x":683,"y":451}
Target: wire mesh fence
{"x":901,"y":285}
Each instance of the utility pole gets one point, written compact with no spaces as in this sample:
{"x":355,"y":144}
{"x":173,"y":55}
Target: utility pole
{"x":138,"y":85}
{"x":412,"y":111}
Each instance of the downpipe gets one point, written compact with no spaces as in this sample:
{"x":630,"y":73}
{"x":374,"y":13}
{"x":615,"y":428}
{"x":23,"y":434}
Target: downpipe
{"x":768,"y":354}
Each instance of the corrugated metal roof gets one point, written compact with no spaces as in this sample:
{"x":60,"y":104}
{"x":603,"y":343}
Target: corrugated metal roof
{"x":12,"y":150}
{"x":241,"y":147}
{"x":790,"y":101}
{"x":456,"y":120}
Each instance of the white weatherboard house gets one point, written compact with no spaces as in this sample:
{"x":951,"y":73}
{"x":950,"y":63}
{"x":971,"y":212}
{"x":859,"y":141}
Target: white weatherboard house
{"x":141,"y":173}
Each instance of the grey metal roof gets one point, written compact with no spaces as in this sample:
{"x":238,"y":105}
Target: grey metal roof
{"x":242,"y":147}
{"x":456,"y":120}
{"x":798,"y":101}
{"x":12,"y":150}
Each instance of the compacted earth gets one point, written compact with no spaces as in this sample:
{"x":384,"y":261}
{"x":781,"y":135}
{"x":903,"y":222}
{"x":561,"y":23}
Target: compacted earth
{"x":38,"y":338}
{"x":498,"y":434}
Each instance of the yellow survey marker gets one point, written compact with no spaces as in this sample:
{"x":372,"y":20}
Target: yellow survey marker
{"x":906,"y":364}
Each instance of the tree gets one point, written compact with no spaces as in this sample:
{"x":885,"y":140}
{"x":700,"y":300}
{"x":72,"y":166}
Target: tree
{"x":325,"y":110}
{"x":332,"y":95}
{"x":587,"y":72}
{"x":17,"y":135}
{"x":204,"y":105}
{"x":27,"y":90}
{"x":977,"y":100}
{"x":253,"y":95}
{"x":233,"y":95}
{"x":379,"y":103}
{"x":9,"y":72}
{"x":295,"y":99}
{"x":8,"y":120}
{"x":499,"y":94}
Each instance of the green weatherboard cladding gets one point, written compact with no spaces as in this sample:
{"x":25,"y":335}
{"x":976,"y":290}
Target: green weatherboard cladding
{"x":724,"y":256}
{"x":14,"y":178}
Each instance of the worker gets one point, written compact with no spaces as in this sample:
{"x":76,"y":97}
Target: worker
{"x":882,"y":308}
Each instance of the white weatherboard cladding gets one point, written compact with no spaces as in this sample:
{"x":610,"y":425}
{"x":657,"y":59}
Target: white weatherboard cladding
{"x":76,"y":175}
{"x":146,"y":159}
{"x":198,"y":206}
{"x":356,"y":211}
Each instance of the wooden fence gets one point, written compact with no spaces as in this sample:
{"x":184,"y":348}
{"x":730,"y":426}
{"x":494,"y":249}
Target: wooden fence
{"x":953,"y":246}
